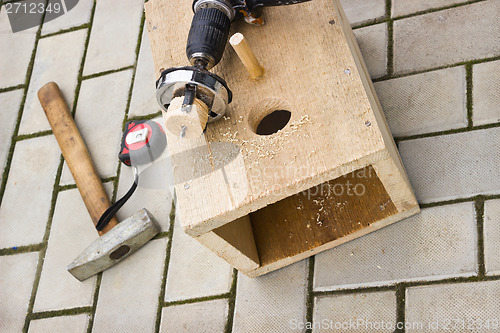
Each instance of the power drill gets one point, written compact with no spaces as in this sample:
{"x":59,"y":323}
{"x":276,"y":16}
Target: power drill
{"x":206,"y":42}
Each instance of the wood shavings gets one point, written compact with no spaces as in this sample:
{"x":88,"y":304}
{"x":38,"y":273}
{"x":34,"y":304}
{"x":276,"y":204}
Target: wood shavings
{"x":259,"y":146}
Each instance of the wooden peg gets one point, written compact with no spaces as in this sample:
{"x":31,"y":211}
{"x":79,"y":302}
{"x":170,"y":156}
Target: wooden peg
{"x":240,"y":45}
{"x":186,"y":123}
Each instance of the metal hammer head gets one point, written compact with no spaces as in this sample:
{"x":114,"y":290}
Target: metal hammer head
{"x":115,"y":245}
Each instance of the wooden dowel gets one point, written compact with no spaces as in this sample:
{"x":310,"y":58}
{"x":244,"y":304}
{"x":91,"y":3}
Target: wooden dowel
{"x":186,"y":124}
{"x":240,"y":45}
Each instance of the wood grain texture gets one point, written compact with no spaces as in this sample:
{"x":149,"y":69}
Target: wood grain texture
{"x":194,"y":121}
{"x":314,"y":69}
{"x":75,"y":153}
{"x":234,"y":242}
{"x":320,"y":215}
{"x":306,"y":62}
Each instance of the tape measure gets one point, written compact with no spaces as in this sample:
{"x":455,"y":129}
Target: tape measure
{"x":143,"y":141}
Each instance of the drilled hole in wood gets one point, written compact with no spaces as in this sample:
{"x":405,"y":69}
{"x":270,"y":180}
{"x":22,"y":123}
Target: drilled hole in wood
{"x":273,"y":122}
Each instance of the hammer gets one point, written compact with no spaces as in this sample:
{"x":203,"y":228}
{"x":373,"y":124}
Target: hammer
{"x":118,"y":240}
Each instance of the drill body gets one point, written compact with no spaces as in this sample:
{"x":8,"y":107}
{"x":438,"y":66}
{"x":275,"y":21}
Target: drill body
{"x":209,"y":31}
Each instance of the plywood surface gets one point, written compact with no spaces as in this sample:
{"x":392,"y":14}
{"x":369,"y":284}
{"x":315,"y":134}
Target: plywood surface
{"x":320,"y":215}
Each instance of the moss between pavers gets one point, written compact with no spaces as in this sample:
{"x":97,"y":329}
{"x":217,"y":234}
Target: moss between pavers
{"x":479,"y":207}
{"x":197,"y":299}
{"x":29,"y":72}
{"x":145,"y":117}
{"x":33,"y":135}
{"x":21,"y":249}
{"x":447,"y":132}
{"x":59,"y":313}
{"x":19,"y":86}
{"x":231,"y":303}
{"x":310,"y":292}
{"x":111,"y":71}
{"x":468,"y":80}
{"x":60,"y":32}
{"x":84,"y":56}
{"x":163,"y":286}
{"x":400,"y":306}
{"x":94,"y":302}
{"x":432,"y":10}
{"x":400,"y":288}
{"x":388,"y":18}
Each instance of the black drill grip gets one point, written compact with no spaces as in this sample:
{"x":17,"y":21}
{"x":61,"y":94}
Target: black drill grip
{"x":208,"y":34}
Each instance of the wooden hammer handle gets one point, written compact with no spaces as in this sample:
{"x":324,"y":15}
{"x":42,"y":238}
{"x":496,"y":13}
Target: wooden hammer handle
{"x":75,"y":153}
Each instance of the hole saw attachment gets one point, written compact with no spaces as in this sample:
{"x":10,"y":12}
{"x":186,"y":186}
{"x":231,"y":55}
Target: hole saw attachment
{"x":192,"y":96}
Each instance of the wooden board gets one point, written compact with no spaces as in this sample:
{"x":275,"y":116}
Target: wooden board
{"x":320,"y":215}
{"x":306,"y":62}
{"x":238,"y":191}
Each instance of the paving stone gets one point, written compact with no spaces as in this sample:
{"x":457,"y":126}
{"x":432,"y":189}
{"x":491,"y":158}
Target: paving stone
{"x":75,"y":324}
{"x":17,"y":274}
{"x":9,"y":104}
{"x":194,"y":271}
{"x":16,"y":57}
{"x":446,"y":37}
{"x":424,"y":103}
{"x":71,"y":233}
{"x":272,"y":302}
{"x":57,"y":59}
{"x":492,"y":236}
{"x":486,"y":93}
{"x":113,"y":39}
{"x":143,"y":100}
{"x":26,"y":202}
{"x":453,"y":166}
{"x":359,"y":11}
{"x":460,"y":307}
{"x":203,"y":317}
{"x":152,"y":192}
{"x":407,"y":7}
{"x":364,"y":312}
{"x":438,"y":243}
{"x":135,"y":281}
{"x":99,"y":116}
{"x":372,"y":42}
{"x":78,"y":15}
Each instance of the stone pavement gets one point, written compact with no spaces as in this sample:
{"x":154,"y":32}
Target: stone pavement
{"x":436,"y":68}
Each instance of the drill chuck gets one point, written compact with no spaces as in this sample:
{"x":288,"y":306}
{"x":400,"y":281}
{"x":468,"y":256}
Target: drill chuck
{"x":207,"y":37}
